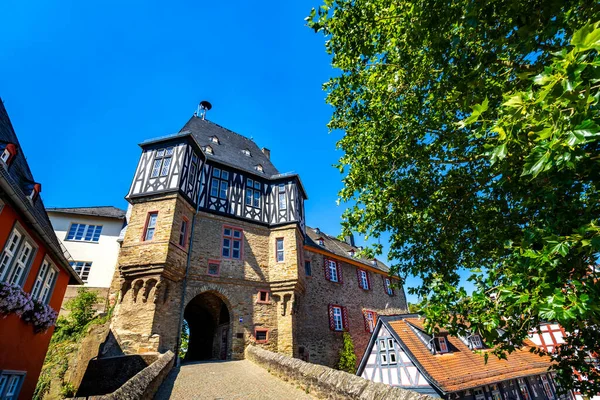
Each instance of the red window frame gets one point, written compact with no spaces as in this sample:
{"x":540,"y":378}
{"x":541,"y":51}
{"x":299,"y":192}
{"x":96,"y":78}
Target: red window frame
{"x":218,"y":263}
{"x":268,"y":297}
{"x":338,"y":269}
{"x":145,"y":231}
{"x":185,"y":234}
{"x":282,"y":250}
{"x":344,"y":312}
{"x":11,"y":149}
{"x":374,"y":317}
{"x":256,"y":330}
{"x":232,"y":239}
{"x":359,"y":277}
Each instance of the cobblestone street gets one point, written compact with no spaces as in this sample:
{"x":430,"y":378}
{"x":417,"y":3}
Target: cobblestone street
{"x":226,"y":380}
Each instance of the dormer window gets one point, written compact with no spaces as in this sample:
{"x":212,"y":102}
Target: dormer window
{"x":374,"y":262}
{"x":475,"y":342}
{"x":214,"y":140}
{"x":208,"y":150}
{"x":259,"y":168}
{"x":8,"y":154}
{"x":35,"y":192}
{"x":439,"y":345}
{"x":351,"y":252}
{"x":320,"y":241}
{"x":246,"y":152}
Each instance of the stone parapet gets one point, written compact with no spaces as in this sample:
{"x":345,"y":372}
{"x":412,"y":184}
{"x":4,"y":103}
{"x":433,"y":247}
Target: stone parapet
{"x":325,"y":382}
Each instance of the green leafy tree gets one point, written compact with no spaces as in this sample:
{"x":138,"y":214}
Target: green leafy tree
{"x":413,"y":308}
{"x":185,"y":339}
{"x":471,"y":138}
{"x":347,"y":356}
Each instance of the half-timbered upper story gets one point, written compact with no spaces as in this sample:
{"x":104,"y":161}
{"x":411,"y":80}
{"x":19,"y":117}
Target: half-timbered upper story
{"x":219,"y":171}
{"x":402,"y":353}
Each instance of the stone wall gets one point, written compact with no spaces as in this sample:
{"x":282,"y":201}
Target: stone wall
{"x":322,"y":345}
{"x":144,"y":384}
{"x":327,"y":383}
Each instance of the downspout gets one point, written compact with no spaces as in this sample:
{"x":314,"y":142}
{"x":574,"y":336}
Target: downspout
{"x":185,"y":277}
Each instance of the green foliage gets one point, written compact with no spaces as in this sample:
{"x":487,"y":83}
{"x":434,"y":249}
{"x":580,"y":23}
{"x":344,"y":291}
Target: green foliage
{"x":68,"y":390}
{"x":347,"y":356}
{"x":81,"y":312}
{"x":185,"y":339}
{"x":64,"y":343}
{"x":414,"y":308}
{"x":471,"y":137}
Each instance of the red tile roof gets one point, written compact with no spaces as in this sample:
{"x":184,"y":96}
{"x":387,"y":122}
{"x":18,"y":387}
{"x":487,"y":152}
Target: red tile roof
{"x":463,"y":368}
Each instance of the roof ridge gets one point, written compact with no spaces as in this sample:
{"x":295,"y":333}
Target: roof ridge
{"x":75,"y":208}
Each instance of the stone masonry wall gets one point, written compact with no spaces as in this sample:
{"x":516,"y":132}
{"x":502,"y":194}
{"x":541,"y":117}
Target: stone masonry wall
{"x":327,"y":383}
{"x":314,"y":334}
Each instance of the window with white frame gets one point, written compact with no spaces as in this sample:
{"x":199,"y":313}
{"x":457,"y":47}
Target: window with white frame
{"x":83,"y":269}
{"x":44,"y":282}
{"x":383,"y":358}
{"x":382,"y":344}
{"x":252,"y":193}
{"x":476,"y":342}
{"x":22,"y":262}
{"x":219,"y":183}
{"x":5,"y":156}
{"x":495,"y":392}
{"x":232,"y":243}
{"x":280,"y":251}
{"x":479,"y":394}
{"x":333,"y":271}
{"x":9,"y":252}
{"x":393,"y":357}
{"x":338,"y":320}
{"x":84,"y":233}
{"x":442,"y":344}
{"x":215,"y":140}
{"x":282,"y":199}
{"x":390,"y":344}
{"x":150,"y":226}
{"x":162,"y":162}
{"x":10,"y":384}
{"x":363,"y":279}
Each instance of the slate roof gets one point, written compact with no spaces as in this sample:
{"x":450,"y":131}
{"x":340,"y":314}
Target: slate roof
{"x":462,"y":368}
{"x":231,"y":147}
{"x":339,"y":248}
{"x":97,"y":211}
{"x":20,"y":179}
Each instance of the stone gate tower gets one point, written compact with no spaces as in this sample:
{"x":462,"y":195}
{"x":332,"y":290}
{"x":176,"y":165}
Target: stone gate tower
{"x":209,"y":208}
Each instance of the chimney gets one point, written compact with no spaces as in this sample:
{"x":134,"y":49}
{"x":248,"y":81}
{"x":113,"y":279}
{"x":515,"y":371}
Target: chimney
{"x":266,"y":152}
{"x":349,"y":240}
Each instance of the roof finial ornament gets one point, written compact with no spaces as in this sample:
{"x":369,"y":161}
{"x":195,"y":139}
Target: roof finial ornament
{"x":203,"y":107}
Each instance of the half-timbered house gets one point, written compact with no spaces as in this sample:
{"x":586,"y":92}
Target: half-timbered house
{"x":401,"y":353}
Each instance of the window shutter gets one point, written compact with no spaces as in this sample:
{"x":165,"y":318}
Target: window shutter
{"x":345,"y":318}
{"x":331,"y":321}
{"x":365,"y":312}
{"x":368,"y":280}
{"x":326,"y":265}
{"x":358,"y":278}
{"x":338,"y":266}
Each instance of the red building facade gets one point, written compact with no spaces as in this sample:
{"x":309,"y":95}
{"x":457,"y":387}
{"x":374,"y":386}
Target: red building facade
{"x":34,"y":271}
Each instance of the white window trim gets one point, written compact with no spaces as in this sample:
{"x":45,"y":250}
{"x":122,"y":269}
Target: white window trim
{"x":48,"y":286}
{"x":395,"y":358}
{"x":370,"y":320}
{"x":85,"y":232}
{"x":9,"y":254}
{"x":333,"y":272}
{"x":338,"y":317}
{"x":388,"y":287}
{"x":280,"y":252}
{"x":82,"y":267}
{"x":476,"y":340}
{"x":39,"y":280}
{"x":15,"y":278}
{"x":364,"y":279}
{"x":443,"y":344}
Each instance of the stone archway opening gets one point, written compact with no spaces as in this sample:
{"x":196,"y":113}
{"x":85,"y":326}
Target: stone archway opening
{"x":208,"y":319}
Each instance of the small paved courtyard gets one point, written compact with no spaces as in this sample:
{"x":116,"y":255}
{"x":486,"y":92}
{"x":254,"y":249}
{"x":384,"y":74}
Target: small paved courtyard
{"x":226,"y":380}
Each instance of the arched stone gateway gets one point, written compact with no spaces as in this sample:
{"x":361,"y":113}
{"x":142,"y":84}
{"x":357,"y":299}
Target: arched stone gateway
{"x":209,"y":319}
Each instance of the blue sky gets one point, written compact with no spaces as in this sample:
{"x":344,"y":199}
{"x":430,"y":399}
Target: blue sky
{"x":85,"y":82}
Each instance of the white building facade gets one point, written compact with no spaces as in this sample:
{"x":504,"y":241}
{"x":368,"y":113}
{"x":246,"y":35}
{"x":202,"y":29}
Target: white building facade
{"x":91,"y":235}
